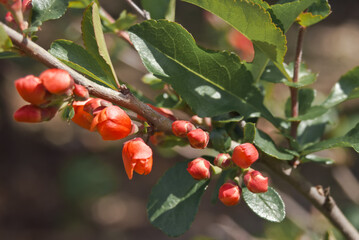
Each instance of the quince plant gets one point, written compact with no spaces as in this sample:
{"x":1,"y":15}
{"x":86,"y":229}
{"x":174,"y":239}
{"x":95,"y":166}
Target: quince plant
{"x":220,"y":96}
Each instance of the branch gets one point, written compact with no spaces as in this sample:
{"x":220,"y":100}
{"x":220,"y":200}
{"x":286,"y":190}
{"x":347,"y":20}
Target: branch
{"x":318,"y":196}
{"x":126,"y":100}
{"x":144,"y":14}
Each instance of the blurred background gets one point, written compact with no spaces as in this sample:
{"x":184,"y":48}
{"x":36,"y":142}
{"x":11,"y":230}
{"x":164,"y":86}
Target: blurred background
{"x":59,"y":181}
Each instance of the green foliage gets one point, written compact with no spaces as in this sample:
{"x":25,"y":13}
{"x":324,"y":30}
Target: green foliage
{"x":68,"y":113}
{"x":44,"y":10}
{"x":249,"y":133}
{"x":268,"y":205}
{"x":123,"y":22}
{"x":160,"y":9}
{"x":94,"y":41}
{"x":220,"y":140}
{"x":5,"y":41}
{"x":347,"y":88}
{"x":316,"y":13}
{"x":80,"y":3}
{"x":211,"y":82}
{"x":174,"y":200}
{"x":351,"y":139}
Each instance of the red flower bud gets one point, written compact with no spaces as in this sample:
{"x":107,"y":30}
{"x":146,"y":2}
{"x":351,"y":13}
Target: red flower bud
{"x":243,"y":44}
{"x":9,"y":17}
{"x":199,"y":169}
{"x":81,"y":92}
{"x":198,"y":138}
{"x":195,"y":119}
{"x":26,"y":5}
{"x":229,"y":193}
{"x":57,"y":81}
{"x":223,"y":160}
{"x":163,"y":111}
{"x":96,"y":105}
{"x":137,"y":156}
{"x":34,"y":114}
{"x":244,"y":155}
{"x":255,"y":181}
{"x":81,"y":118}
{"x":112,"y":123}
{"x":180,"y":128}
{"x":31,"y":89}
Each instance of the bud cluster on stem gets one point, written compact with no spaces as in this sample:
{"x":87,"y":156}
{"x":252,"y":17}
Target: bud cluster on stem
{"x":197,"y":137}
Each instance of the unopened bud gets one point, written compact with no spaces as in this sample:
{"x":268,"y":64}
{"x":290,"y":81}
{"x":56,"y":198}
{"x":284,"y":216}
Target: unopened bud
{"x":9,"y":17}
{"x":244,"y":155}
{"x":57,"y":81}
{"x":96,"y":105}
{"x":199,"y":169}
{"x":223,"y":160}
{"x":31,"y":89}
{"x":229,"y":193}
{"x":34,"y":114}
{"x":81,"y":92}
{"x":255,"y":181}
{"x":198,"y":138}
{"x":180,"y":128}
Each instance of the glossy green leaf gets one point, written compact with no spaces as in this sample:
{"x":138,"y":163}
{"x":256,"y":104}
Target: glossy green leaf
{"x":160,"y":9}
{"x":226,"y":118}
{"x":44,"y":10}
{"x":266,"y":144}
{"x":351,"y":139}
{"x":253,"y":21}
{"x":80,"y":3}
{"x":212,"y":83}
{"x":347,"y":88}
{"x":79,"y":59}
{"x":94,"y":41}
{"x":312,"y":113}
{"x":68,"y":113}
{"x":5,"y":41}
{"x":268,"y":205}
{"x":316,"y":13}
{"x":174,"y":200}
{"x":249,"y":133}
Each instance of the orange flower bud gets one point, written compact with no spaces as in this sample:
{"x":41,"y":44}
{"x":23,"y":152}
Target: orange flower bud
{"x":223,"y":160}
{"x":9,"y":17}
{"x":255,"y":181}
{"x":137,"y":156}
{"x":244,"y":155}
{"x":229,"y":193}
{"x":198,"y":138}
{"x":57,"y":81}
{"x":31,"y":89}
{"x":163,"y":111}
{"x":34,"y":114}
{"x":243,"y":44}
{"x":199,"y":169}
{"x":96,"y":105}
{"x":81,"y":92}
{"x":112,"y":123}
{"x":81,"y":118}
{"x":180,"y":128}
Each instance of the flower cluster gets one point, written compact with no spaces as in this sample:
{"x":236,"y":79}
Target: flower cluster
{"x":243,"y":157}
{"x":196,"y":136}
{"x":16,"y":10}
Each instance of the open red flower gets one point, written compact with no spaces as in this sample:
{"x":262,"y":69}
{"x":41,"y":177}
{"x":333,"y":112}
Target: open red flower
{"x":137,"y":156}
{"x":81,"y":117}
{"x":112,"y":123}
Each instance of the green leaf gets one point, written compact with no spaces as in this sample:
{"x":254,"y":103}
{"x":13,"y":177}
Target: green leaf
{"x":166,"y":100}
{"x":305,"y":99}
{"x":79,"y":59}
{"x":266,"y":144}
{"x":347,"y":88}
{"x":80,"y":3}
{"x":305,"y":77}
{"x":212,"y":83}
{"x":7,"y":54}
{"x":268,"y":205}
{"x":124,"y":21}
{"x":249,"y":133}
{"x":94,"y":40}
{"x":312,"y":113}
{"x":5,"y":41}
{"x":153,"y":81}
{"x":351,"y":139}
{"x":226,"y":118}
{"x":68,"y":113}
{"x":316,"y":13}
{"x":160,"y":9}
{"x":254,"y":22}
{"x":44,"y":10}
{"x":174,"y":200}
{"x":317,"y":159}
{"x":220,"y":140}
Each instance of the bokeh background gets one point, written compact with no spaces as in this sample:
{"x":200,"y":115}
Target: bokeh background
{"x":58,"y":181}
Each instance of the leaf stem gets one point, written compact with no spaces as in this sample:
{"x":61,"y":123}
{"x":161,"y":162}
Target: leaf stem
{"x":144,"y":14}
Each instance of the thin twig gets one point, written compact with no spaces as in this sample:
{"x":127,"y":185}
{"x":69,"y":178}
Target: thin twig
{"x":144,"y":14}
{"x":128,"y":101}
